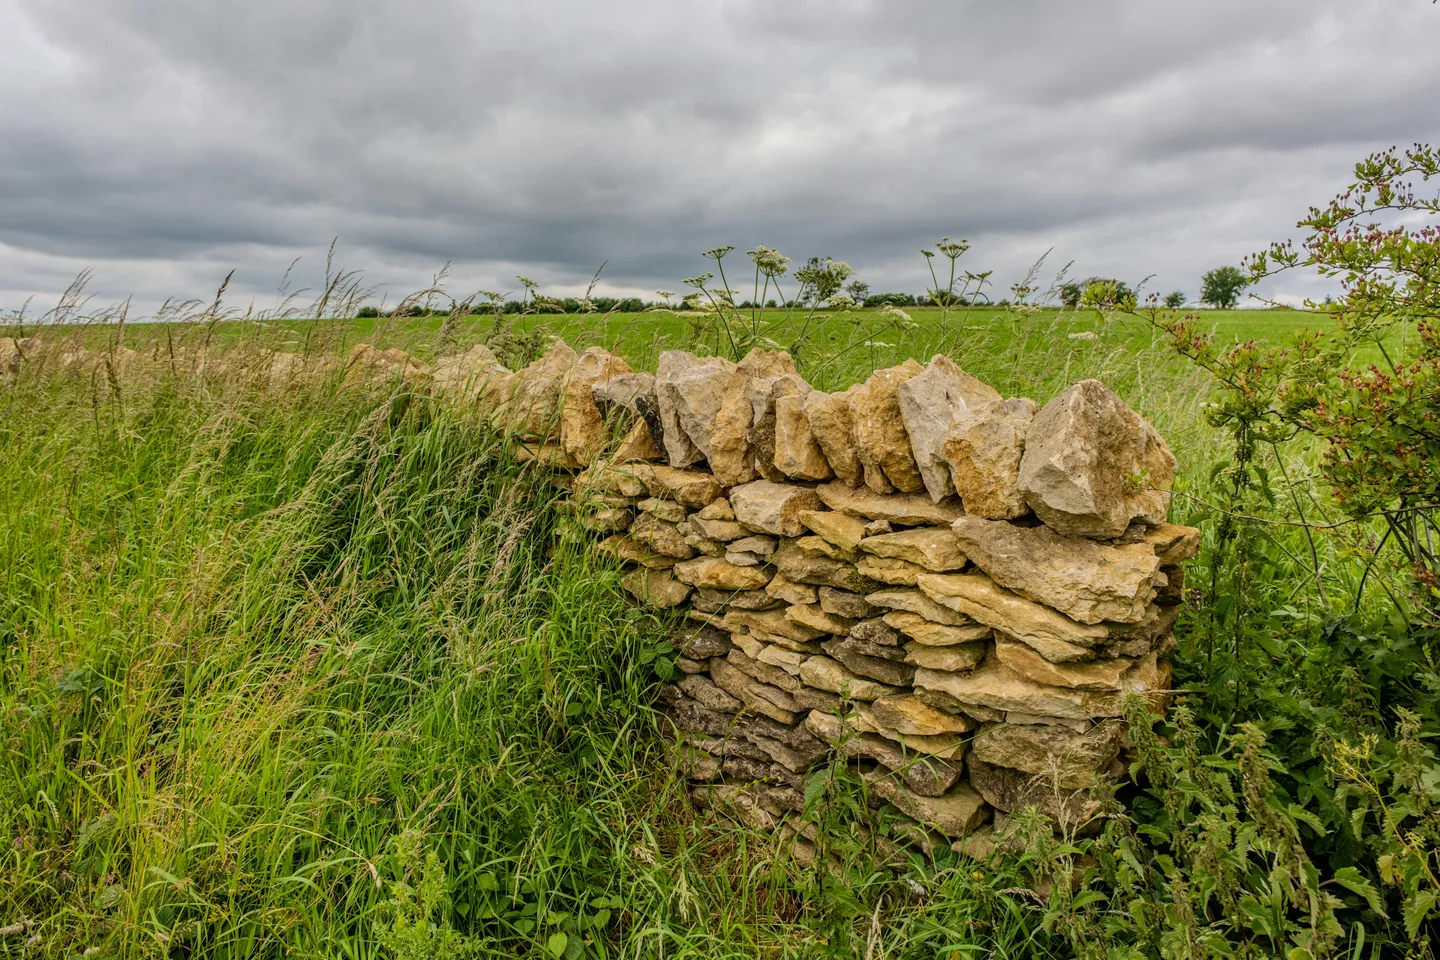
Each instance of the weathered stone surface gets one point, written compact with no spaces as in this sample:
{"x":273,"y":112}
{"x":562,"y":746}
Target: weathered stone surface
{"x":655,"y":589}
{"x":913,"y":601}
{"x":692,"y":488}
{"x":812,"y":616}
{"x":925,"y":776}
{"x":762,"y":391}
{"x":772,"y":507}
{"x":843,"y":603}
{"x":622,"y":391}
{"x":661,"y":537}
{"x":965,"y":656}
{"x":810,"y":698}
{"x":582,"y":426}
{"x":855,"y":658}
{"x":701,"y":543}
{"x":1087,"y":581}
{"x":880,"y":437}
{"x":722,"y":530}
{"x":763,"y":546}
{"x":763,"y":698}
{"x":637,"y":446}
{"x":608,"y":479}
{"x":664,"y":509}
{"x":708,"y":695}
{"x":955,"y":814}
{"x":983,"y":454}
{"x":877,"y":528}
{"x":995,"y":685}
{"x":632,"y":551}
{"x":935,"y":548}
{"x":820,"y":547}
{"x":533,"y":408}
{"x":823,"y":673}
{"x":932,"y":634}
{"x":886,"y":570}
{"x":1092,"y":465}
{"x":702,"y":643}
{"x":795,"y":565}
{"x":797,"y":453}
{"x":911,"y":716}
{"x":717,"y":509}
{"x":1171,"y":542}
{"x":731,"y":459}
{"x":719,"y":575}
{"x":462,"y":375}
{"x":771,"y":623}
{"x":1073,"y":760}
{"x":905,"y":509}
{"x":1054,"y":635}
{"x":689,"y":391}
{"x":746,"y":657}
{"x":791,"y":592}
{"x":932,"y":403}
{"x":1013,"y":791}
{"x":1173,"y":592}
{"x":877,"y":632}
{"x":832,"y":426}
{"x":1092,"y":675}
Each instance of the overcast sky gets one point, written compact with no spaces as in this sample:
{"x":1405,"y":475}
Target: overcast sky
{"x":164,"y":142}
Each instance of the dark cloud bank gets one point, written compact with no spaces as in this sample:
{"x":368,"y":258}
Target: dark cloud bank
{"x":163,"y":143}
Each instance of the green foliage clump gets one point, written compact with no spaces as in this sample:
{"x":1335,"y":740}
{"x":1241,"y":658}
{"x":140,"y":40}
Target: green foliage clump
{"x":1221,"y":287}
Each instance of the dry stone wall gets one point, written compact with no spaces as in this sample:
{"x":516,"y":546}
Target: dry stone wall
{"x":954,"y":589}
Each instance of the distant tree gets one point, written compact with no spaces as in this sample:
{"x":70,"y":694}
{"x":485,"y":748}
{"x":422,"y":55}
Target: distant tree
{"x":858,"y":289}
{"x":1104,"y":291}
{"x":770,"y":303}
{"x":1221,"y":287}
{"x":367,"y":313}
{"x":1175,"y":299}
{"x":630,"y":305}
{"x":893,"y":299}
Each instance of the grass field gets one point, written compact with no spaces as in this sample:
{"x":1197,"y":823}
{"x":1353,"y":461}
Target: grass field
{"x":259,"y":649}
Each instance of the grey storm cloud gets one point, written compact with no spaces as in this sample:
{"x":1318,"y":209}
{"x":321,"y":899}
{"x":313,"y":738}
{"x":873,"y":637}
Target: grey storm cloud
{"x":163,"y":143}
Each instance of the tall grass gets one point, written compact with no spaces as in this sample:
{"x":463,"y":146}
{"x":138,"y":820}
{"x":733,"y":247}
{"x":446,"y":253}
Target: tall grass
{"x":252,"y":639}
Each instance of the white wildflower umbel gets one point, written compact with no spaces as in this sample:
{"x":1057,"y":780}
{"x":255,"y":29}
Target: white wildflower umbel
{"x":772,"y":264}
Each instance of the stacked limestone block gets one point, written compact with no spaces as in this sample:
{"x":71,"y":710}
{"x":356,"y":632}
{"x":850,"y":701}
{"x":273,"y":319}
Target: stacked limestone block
{"x":955,"y":589}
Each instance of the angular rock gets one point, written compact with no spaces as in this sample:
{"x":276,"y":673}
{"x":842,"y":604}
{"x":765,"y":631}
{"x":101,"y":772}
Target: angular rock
{"x":1171,"y":542}
{"x":701,"y":543}
{"x":1073,"y":760}
{"x":582,"y":427}
{"x":637,"y":446}
{"x":995,"y":685}
{"x":820,"y":547}
{"x":825,"y":674}
{"x":935,"y":548}
{"x":771,"y":623}
{"x":831,"y":424}
{"x":906,"y":509}
{"x":462,"y":375}
{"x":783,"y":589}
{"x":909,"y":715}
{"x":795,"y":565}
{"x":812,"y":616}
{"x":983,"y":454}
{"x":1013,"y":791}
{"x":913,"y":601}
{"x":885,"y":570}
{"x":926,"y":776}
{"x":722,"y":530}
{"x":797,"y":453}
{"x":719,"y":575}
{"x":709,"y":696}
{"x":1092,"y":465}
{"x":956,"y":659}
{"x":664,"y":509}
{"x":772,"y":507}
{"x":932,"y":634}
{"x":739,"y":599}
{"x":843,"y":603}
{"x":703,"y":643}
{"x":765,"y":671}
{"x":631,"y":551}
{"x":876,"y":632}
{"x":1094,"y":675}
{"x":692,"y":488}
{"x":764,"y":699}
{"x":1087,"y":581}
{"x":533,"y":408}
{"x":880,"y":437}
{"x":655,"y":589}
{"x":718,"y":509}
{"x":955,"y":814}
{"x":661,"y":537}
{"x":848,"y":653}
{"x":1054,"y":635}
{"x":932,"y":403}
{"x":731,"y":458}
{"x":689,"y":391}
{"x":605,"y":478}
{"x":763,"y":546}
{"x":622,"y":391}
